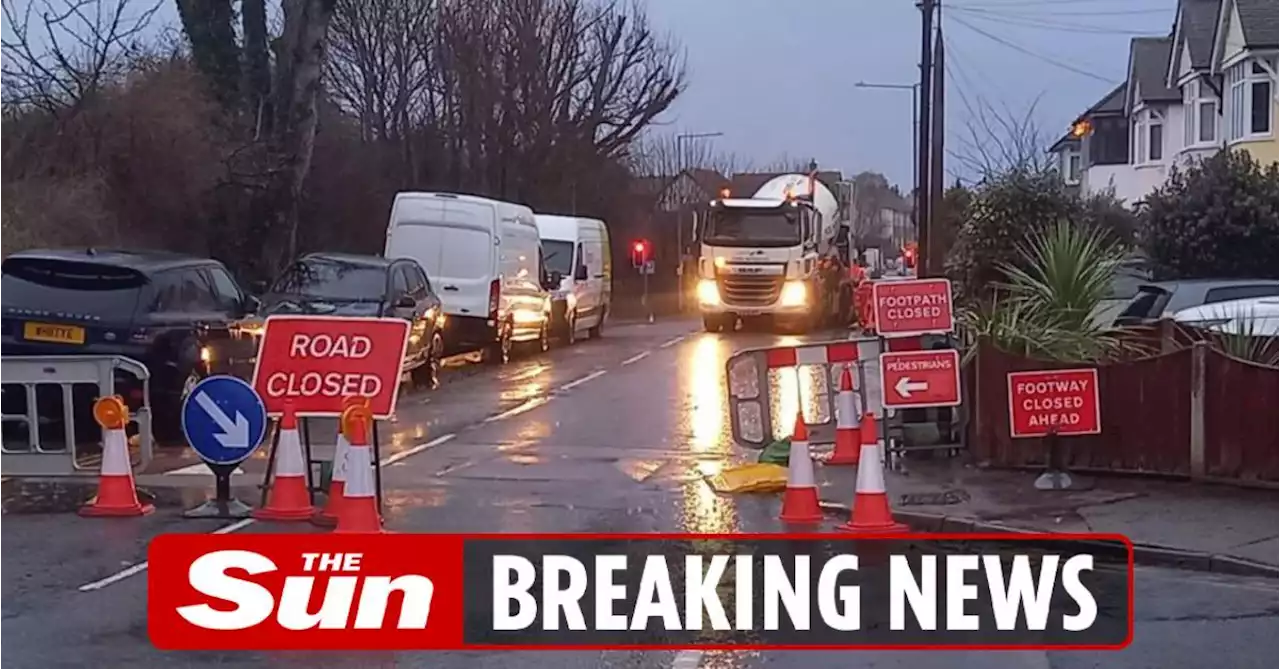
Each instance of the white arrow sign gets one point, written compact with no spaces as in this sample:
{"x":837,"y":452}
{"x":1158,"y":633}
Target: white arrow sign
{"x":906,"y":386}
{"x":235,"y":433}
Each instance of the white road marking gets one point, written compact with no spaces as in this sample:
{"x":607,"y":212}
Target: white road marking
{"x":593,"y":375}
{"x":410,"y":452}
{"x":136,"y":569}
{"x":198,"y":469}
{"x":687,"y":659}
{"x":636,"y":358}
{"x":527,"y":405}
{"x":672,"y":342}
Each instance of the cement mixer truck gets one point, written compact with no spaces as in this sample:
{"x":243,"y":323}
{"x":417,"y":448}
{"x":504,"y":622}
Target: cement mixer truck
{"x":780,"y":254}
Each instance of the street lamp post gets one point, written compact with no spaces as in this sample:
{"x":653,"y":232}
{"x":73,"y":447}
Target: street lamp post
{"x":915,"y":130}
{"x":681,"y":167}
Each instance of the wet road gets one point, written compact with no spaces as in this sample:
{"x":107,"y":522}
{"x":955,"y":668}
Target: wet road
{"x":608,"y":436}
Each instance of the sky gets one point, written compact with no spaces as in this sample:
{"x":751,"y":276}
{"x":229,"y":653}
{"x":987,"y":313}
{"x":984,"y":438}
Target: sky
{"x":778,"y":76}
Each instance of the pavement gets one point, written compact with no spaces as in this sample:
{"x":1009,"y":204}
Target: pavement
{"x":617,"y":435}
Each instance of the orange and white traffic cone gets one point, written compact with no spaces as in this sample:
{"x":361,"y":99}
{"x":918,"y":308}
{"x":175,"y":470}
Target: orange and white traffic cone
{"x":288,"y":498}
{"x":117,"y":497}
{"x":358,"y":513}
{"x":848,"y":432}
{"x":328,"y":517}
{"x":871,"y":513}
{"x":800,"y":501}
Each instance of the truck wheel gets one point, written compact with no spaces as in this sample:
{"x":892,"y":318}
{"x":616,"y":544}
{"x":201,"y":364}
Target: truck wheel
{"x":713,"y":322}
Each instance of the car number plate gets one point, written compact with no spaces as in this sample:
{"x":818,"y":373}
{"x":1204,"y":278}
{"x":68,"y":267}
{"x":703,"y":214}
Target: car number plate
{"x":59,"y":334}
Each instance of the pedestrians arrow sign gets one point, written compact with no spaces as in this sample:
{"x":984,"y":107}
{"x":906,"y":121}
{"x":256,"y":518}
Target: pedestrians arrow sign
{"x":920,"y":379}
{"x":906,"y":386}
{"x":224,"y":420}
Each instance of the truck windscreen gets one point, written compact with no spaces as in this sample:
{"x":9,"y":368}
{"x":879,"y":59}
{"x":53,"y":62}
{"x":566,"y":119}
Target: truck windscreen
{"x":736,"y":227}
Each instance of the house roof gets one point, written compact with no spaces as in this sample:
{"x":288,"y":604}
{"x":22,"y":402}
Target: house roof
{"x":708,"y":180}
{"x":1148,"y":71}
{"x":1111,"y":104}
{"x":1196,"y":22}
{"x":1065,"y":142}
{"x":1260,"y":22}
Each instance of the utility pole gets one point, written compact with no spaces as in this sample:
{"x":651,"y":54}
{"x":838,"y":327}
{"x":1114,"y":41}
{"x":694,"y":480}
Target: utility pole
{"x":924,"y":212}
{"x":935,"y":255}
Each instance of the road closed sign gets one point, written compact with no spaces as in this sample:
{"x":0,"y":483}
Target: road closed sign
{"x":1062,"y":401}
{"x":319,"y":361}
{"x":904,"y":308}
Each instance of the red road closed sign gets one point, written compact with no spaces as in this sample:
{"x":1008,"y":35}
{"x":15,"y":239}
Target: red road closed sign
{"x":317,"y":361}
{"x":918,"y":379}
{"x":920,"y":306}
{"x":1062,"y":401}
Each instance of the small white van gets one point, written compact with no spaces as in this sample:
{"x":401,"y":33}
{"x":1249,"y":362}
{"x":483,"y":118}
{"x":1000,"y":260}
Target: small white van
{"x":483,"y":259}
{"x":577,"y":250}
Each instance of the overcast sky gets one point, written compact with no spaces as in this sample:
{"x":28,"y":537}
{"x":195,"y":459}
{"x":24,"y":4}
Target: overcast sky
{"x":777,"y":76}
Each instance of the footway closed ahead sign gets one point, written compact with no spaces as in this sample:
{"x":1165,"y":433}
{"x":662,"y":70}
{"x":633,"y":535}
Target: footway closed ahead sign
{"x":1062,"y":401}
{"x":317,"y":361}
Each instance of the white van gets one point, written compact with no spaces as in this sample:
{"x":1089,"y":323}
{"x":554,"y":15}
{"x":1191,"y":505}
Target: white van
{"x":577,"y":249}
{"x":483,"y":259}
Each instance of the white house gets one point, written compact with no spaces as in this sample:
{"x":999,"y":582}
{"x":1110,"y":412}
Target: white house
{"x":1190,"y":72}
{"x":1155,"y":116}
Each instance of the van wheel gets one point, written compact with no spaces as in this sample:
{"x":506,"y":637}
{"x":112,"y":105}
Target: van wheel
{"x":499,"y":352}
{"x":712,"y":322}
{"x":598,"y":330}
{"x":571,"y":331}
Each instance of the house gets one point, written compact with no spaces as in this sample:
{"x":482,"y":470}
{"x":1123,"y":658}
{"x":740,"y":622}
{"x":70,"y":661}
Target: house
{"x":1068,"y":158}
{"x":1154,"y":110}
{"x":1098,"y":143}
{"x":1190,"y":72}
{"x":1243,"y":59}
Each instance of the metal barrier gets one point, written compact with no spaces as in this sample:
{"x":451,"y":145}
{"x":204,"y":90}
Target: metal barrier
{"x":767,"y":386}
{"x":41,"y":393}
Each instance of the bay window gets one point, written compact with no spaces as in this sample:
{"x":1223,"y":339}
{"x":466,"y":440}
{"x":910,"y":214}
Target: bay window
{"x":1148,"y":133}
{"x":1200,"y":114}
{"x":1250,"y":101}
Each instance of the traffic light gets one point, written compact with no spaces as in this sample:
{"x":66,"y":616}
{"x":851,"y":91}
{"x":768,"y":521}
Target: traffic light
{"x":640,"y":253}
{"x":909,"y":257}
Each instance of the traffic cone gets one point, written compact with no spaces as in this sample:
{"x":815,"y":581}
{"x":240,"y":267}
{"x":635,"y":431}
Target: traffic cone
{"x":328,"y":517}
{"x":871,"y":513}
{"x":116,"y":495}
{"x":800,"y":501}
{"x":848,"y":433}
{"x":358,"y":513}
{"x":288,"y":498}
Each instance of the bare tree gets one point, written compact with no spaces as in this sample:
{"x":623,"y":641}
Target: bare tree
{"x":58,"y":53}
{"x":997,"y":140}
{"x":660,"y":155}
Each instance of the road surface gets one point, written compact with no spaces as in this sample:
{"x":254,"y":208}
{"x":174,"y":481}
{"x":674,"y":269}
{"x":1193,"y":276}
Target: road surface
{"x":612,"y":435}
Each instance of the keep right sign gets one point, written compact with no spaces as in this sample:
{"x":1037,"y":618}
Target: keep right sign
{"x":1061,"y":401}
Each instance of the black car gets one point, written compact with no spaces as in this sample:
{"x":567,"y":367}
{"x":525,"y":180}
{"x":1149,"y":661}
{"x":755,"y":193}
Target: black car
{"x":165,"y":310}
{"x":341,"y":284}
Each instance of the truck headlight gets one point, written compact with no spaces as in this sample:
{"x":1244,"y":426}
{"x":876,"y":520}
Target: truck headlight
{"x":708,"y":292}
{"x":794,"y":294}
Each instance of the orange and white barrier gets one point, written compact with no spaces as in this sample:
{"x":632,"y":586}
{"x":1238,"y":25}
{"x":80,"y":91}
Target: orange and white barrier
{"x":800,"y":501}
{"x":359,"y":512}
{"x":117,"y":496}
{"x":288,"y":498}
{"x":328,"y":517}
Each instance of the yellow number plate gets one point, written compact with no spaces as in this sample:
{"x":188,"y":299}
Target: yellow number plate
{"x":61,"y":334}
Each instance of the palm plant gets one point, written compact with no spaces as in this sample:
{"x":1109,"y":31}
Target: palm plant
{"x":1241,"y":332}
{"x":1044,"y":309}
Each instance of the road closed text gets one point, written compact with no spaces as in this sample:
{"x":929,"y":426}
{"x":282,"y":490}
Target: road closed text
{"x":315,"y":363}
{"x":224,"y":592}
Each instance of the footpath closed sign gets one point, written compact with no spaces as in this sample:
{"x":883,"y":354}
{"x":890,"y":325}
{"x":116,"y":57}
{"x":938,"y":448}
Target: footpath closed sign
{"x":1063,"y":402}
{"x":917,"y":307}
{"x":318,"y":361}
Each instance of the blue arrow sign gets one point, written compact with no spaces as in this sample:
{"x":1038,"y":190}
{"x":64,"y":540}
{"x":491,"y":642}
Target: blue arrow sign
{"x":224,"y":420}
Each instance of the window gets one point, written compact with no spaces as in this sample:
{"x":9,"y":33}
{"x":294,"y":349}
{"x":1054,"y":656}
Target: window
{"x":1148,"y":129}
{"x":88,"y":289}
{"x":183,"y":291}
{"x":1155,"y":146}
{"x":1107,"y":142}
{"x":1071,"y":167}
{"x":1249,"y":100}
{"x":1215,"y":295}
{"x":1200,"y":114}
{"x":399,"y":283}
{"x":416,"y":281}
{"x":225,"y":289}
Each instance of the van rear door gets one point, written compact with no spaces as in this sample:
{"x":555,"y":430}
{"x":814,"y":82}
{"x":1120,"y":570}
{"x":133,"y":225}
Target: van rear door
{"x":453,"y":240}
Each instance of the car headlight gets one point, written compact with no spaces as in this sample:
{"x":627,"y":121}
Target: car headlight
{"x":708,"y":292}
{"x":794,"y":294}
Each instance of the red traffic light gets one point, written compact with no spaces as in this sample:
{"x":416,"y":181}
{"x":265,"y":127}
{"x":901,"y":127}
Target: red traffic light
{"x":640,"y":253}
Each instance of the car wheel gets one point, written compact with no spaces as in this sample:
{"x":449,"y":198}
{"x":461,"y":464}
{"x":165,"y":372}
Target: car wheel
{"x":499,"y":352}
{"x":427,"y":375}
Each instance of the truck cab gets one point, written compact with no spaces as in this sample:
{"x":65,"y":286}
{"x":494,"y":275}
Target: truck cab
{"x":773,"y":255}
